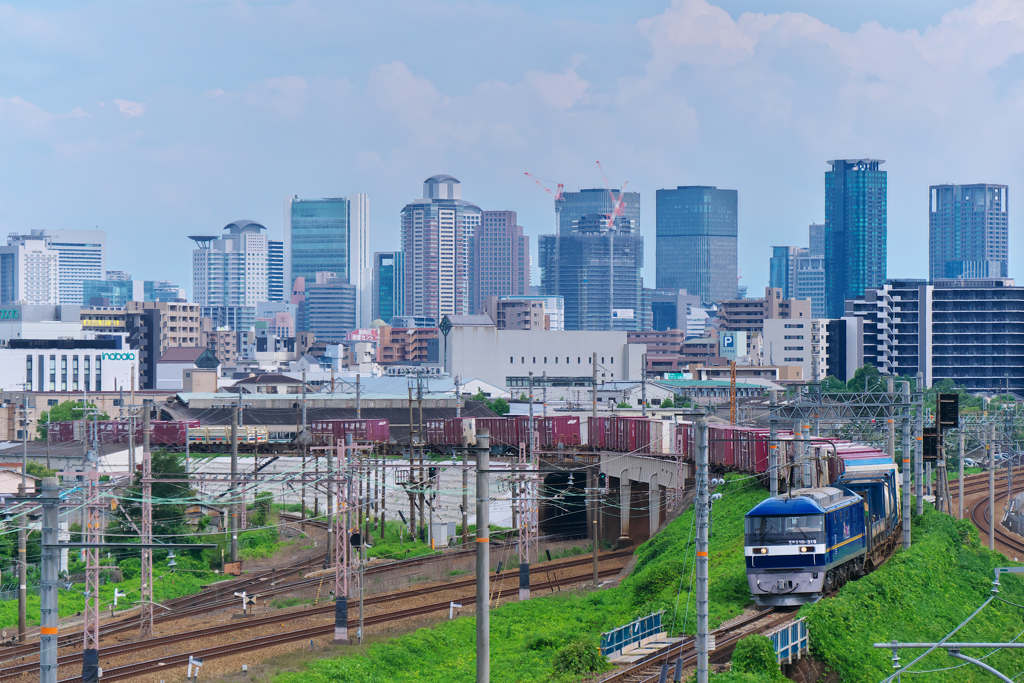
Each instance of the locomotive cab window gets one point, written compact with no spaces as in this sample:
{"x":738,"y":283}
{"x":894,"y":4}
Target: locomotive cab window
{"x":784,"y":529}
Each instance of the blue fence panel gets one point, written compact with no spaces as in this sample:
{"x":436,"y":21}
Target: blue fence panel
{"x":633,"y":632}
{"x":790,"y":641}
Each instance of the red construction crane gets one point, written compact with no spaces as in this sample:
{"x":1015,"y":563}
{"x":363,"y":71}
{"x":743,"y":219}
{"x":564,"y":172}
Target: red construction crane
{"x":618,"y":202}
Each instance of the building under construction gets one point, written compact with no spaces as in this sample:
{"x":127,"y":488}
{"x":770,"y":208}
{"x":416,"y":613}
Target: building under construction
{"x":596,"y":269}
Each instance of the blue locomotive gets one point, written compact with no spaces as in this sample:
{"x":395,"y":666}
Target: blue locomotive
{"x":803,"y":545}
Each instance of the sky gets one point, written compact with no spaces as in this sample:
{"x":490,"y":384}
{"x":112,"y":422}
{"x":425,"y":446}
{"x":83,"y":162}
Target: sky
{"x":155,"y":121}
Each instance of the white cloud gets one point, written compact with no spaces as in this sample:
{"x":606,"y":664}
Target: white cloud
{"x":28,"y":114}
{"x":285,"y":95}
{"x":130,"y":109}
{"x":214,"y":93}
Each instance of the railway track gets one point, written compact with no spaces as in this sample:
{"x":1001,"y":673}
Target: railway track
{"x":164,"y":663}
{"x":649,"y":670}
{"x":981,"y":518}
{"x":10,"y":672}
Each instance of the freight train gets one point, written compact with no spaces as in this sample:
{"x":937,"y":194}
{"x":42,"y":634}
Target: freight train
{"x":802,"y":545}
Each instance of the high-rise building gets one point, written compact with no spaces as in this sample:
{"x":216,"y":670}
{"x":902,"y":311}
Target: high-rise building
{"x":275,"y":271}
{"x":82,"y":257}
{"x":500,"y":259}
{"x":361,"y":270}
{"x":816,"y":239}
{"x":119,"y":275}
{"x":29,"y":271}
{"x":855,"y":231}
{"x":968,"y":230}
{"x":234,"y":318}
{"x":117,"y":293}
{"x":596,"y":269}
{"x":388,"y":285}
{"x":317,"y":238}
{"x":575,"y":205}
{"x":330,"y":308}
{"x":231,"y":270}
{"x":697,"y":242}
{"x":435,"y":242}
{"x":810,"y":281}
{"x":782,"y":269}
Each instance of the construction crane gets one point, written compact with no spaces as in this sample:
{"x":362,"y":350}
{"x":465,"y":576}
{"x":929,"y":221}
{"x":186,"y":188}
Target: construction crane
{"x":557,"y":193}
{"x":732,"y":392}
{"x":618,"y":202}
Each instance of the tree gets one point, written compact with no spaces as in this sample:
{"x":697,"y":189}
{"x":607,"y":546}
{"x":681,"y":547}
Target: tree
{"x":622,"y":404}
{"x":38,"y":470}
{"x":667,"y":403}
{"x":479,"y":396}
{"x":865,"y":379}
{"x":68,"y":411}
{"x":831,"y":385}
{"x":499,"y":406}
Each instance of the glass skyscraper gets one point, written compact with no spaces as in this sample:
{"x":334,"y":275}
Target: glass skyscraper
{"x":855,"y":231}
{"x":697,"y":241}
{"x":388,"y":285}
{"x":316,"y":239}
{"x":968,"y":231}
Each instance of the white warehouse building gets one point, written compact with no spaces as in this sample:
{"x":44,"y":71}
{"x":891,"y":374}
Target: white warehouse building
{"x":506,"y":357}
{"x":41,"y":366}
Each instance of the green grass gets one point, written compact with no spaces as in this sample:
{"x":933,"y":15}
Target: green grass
{"x":281,"y":603}
{"x":525,"y":637}
{"x":919,"y":596}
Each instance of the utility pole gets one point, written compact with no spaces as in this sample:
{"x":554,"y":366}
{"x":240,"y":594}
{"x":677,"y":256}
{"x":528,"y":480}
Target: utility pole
{"x":22,"y":567}
{"x":412,"y":476}
{"x":48,"y":613}
{"x":890,"y":421}
{"x":595,"y":517}
{"x":146,"y":575}
{"x":643,"y":385}
{"x":419,"y":447}
{"x":458,"y":397}
{"x":544,"y":389}
{"x":919,"y":445}
{"x":991,"y":487}
{"x":593,"y":387}
{"x":703,"y":507}
{"x":773,"y":444}
{"x":359,"y":395}
{"x":465,"y":490}
{"x":907,"y":500}
{"x":529,"y":438}
{"x":961,"y":473}
{"x":483,"y":558}
{"x":131,"y":429}
{"x":234,"y":464}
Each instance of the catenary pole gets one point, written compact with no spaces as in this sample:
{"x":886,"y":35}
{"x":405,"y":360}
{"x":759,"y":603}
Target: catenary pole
{"x":889,"y":390}
{"x":593,"y":387}
{"x":907,"y":500}
{"x":991,"y":487}
{"x":234,"y":468}
{"x":483,"y":559}
{"x":961,"y":474}
{"x":919,"y":444}
{"x":48,"y":612}
{"x":703,"y":506}
{"x":592,"y":475}
{"x":773,"y":445}
{"x":22,"y":572}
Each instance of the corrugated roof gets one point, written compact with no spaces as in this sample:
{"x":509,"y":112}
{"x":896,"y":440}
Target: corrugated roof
{"x":270,"y":378}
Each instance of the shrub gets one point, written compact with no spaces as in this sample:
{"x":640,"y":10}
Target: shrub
{"x":755,"y":655}
{"x":580,"y":657}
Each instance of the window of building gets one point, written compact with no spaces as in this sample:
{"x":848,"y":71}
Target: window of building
{"x":51,"y":402}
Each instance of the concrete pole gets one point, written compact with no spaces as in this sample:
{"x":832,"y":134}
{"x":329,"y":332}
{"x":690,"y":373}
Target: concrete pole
{"x":131,"y":428}
{"x":961,"y":474}
{"x":458,"y":397}
{"x":654,"y":505}
{"x":359,"y":396}
{"x":773,"y":445}
{"x":595,"y":517}
{"x":907,"y":500}
{"x":529,"y":437}
{"x":22,"y":572}
{"x":483,"y":559}
{"x":991,"y":487}
{"x":234,"y":469}
{"x":703,"y":506}
{"x":544,"y":399}
{"x":919,"y":446}
{"x":465,"y":490}
{"x":330,"y":498}
{"x":643,"y":385}
{"x":625,"y":492}
{"x":48,"y":615}
{"x":810,"y":472}
{"x":593,"y":387}
{"x":890,"y":419}
{"x":412,"y":477}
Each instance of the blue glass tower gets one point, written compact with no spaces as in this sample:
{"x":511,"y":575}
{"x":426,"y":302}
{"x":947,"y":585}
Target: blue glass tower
{"x":316,"y":239}
{"x":855,"y":231}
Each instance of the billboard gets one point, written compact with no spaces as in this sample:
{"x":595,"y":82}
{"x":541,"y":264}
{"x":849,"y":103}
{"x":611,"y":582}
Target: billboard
{"x":365,"y":335}
{"x":732,"y":344}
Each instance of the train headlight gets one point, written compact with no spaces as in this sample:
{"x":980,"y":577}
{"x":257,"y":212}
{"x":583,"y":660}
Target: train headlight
{"x":807,"y":548}
{"x":759,"y":551}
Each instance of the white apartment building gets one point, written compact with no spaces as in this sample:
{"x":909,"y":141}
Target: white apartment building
{"x":30,"y":271}
{"x":797,"y":342}
{"x":231,"y":270}
{"x":362,"y":264}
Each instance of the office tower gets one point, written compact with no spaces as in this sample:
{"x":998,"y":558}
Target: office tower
{"x":275,"y":271}
{"x":696,"y":242}
{"x":361,"y":271}
{"x":435,"y":239}
{"x":782,"y":269}
{"x":575,"y":205}
{"x":117,"y":293}
{"x":330,"y":308}
{"x":596,"y":269}
{"x":968,"y":231}
{"x":234,"y":318}
{"x":317,"y":238}
{"x":855,"y":231}
{"x":816,"y":239}
{"x":388,"y":285}
{"x":810,"y":281}
{"x":500,"y":259}
{"x":30,"y":271}
{"x":119,"y":275}
{"x":82,"y":257}
{"x":231,"y":270}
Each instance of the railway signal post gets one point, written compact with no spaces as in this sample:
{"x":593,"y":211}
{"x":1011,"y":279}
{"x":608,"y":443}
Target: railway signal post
{"x":703,"y":507}
{"x":483,"y":558}
{"x":773,"y":445}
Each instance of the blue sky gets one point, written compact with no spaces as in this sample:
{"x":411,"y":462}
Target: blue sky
{"x":155,"y":121}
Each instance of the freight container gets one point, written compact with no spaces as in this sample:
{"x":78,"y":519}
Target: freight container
{"x":374,"y":431}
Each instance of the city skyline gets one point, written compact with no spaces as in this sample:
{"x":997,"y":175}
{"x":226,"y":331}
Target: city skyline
{"x":154,"y":157}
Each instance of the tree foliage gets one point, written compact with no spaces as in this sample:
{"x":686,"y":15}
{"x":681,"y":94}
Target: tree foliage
{"x":68,"y":411}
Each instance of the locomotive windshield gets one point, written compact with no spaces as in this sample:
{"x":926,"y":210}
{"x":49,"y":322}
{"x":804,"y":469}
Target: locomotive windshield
{"x":785,"y":529}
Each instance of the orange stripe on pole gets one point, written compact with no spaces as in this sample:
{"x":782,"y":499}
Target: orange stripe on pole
{"x":906,"y":459}
{"x":482,"y":540}
{"x":48,"y":630}
{"x":700,"y":554}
